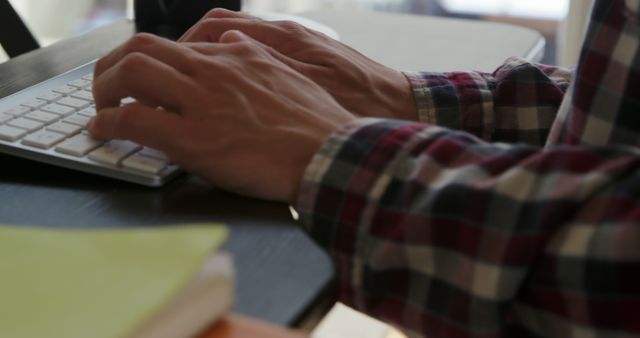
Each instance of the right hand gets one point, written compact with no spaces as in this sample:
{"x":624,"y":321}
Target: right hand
{"x":361,"y":85}
{"x":228,"y":112}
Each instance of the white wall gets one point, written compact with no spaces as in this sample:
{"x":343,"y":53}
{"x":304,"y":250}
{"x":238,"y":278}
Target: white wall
{"x":539,"y":9}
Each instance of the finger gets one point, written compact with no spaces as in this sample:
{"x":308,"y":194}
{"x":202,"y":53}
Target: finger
{"x":267,"y":32}
{"x":158,"y":48}
{"x":234,"y":36}
{"x":145,"y":79}
{"x":219,"y":13}
{"x":139,"y":123}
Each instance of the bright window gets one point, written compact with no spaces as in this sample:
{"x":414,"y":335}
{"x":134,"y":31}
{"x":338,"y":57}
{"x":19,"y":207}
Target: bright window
{"x":540,"y":9}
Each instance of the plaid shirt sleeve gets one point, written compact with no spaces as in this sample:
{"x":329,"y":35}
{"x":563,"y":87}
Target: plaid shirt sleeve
{"x":604,"y":104}
{"x":517,"y":103}
{"x":446,"y":235}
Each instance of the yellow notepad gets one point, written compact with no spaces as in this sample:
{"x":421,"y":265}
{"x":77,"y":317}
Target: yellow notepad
{"x":97,"y":283}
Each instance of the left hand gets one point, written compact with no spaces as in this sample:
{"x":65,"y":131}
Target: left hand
{"x":228,"y":112}
{"x":361,"y":85}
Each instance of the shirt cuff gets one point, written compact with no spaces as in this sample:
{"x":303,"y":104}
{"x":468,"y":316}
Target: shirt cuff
{"x":422,"y":95}
{"x":346,"y":172}
{"x":316,"y":178}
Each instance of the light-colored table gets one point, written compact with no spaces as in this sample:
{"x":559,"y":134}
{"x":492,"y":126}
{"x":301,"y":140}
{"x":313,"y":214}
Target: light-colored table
{"x":426,"y":43}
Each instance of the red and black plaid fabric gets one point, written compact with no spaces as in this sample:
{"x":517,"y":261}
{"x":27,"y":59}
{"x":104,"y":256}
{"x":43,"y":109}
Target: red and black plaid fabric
{"x":604,"y":106}
{"x":467,"y":226}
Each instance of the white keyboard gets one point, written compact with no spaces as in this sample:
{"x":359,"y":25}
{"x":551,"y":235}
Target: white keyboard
{"x":47,"y":122}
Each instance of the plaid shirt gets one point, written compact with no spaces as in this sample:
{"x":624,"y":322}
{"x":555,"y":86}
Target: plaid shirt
{"x":466,"y":226}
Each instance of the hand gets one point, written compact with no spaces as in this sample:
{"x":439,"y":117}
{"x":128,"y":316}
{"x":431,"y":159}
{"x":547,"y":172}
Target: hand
{"x":364,"y":87}
{"x":228,"y":112}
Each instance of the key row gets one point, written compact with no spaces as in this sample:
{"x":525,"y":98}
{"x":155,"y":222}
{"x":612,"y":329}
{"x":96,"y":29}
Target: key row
{"x":36,"y":120}
{"x":115,"y":152}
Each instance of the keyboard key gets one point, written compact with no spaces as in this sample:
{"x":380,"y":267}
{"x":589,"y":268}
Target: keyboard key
{"x":42,"y":139}
{"x":127,"y":100}
{"x":8,"y":133}
{"x":50,"y":96}
{"x":114,"y":151}
{"x":144,"y":164}
{"x":17,"y":111}
{"x":26,"y":124}
{"x":40,"y":116}
{"x":74,"y":103}
{"x":78,"y":145}
{"x":153,"y":153}
{"x":65,"y":128}
{"x":54,"y":121}
{"x":53,"y":124}
{"x":88,"y":112}
{"x":66,"y":90}
{"x":4,"y":118}
{"x":79,"y":83}
{"x":35,"y":103}
{"x":78,"y":120}
{"x":58,"y":109}
{"x":83,"y":95}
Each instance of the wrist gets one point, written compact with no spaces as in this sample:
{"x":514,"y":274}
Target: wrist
{"x":397,"y":95}
{"x":307,"y":148}
{"x":407,"y":108}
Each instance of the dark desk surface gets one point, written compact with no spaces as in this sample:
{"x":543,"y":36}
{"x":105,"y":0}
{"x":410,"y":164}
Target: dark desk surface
{"x":280,"y":271}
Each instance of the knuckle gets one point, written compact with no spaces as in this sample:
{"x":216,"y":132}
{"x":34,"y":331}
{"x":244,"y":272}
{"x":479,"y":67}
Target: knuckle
{"x":217,"y":13}
{"x":246,"y":47}
{"x":139,"y":41}
{"x":132,"y":63}
{"x":144,"y":38}
{"x":292,"y":27}
{"x":209,"y":23}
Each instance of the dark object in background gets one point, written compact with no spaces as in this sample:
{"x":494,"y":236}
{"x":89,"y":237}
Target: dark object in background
{"x":171,"y":18}
{"x":15,"y":37}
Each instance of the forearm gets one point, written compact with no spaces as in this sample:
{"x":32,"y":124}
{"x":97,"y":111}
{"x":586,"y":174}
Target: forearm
{"x":516,"y":104}
{"x":437,"y":231}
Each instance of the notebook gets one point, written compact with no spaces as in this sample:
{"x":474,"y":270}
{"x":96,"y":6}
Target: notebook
{"x":115,"y":283}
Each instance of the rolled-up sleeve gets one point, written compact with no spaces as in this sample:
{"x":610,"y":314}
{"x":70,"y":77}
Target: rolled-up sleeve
{"x":446,"y":235}
{"x":517,"y":103}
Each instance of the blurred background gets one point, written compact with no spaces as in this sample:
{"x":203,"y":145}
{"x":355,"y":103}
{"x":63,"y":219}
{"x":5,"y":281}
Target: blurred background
{"x":52,"y":20}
